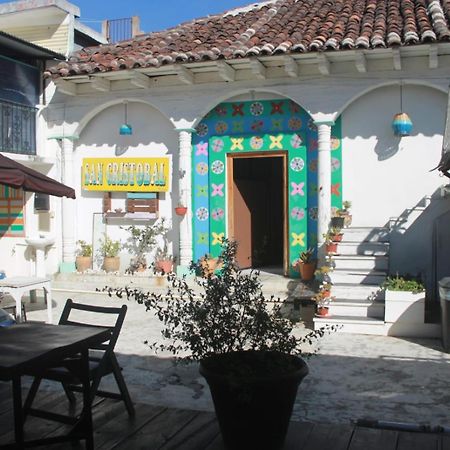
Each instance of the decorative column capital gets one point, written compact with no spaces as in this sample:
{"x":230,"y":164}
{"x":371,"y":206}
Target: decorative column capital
{"x":319,"y":122}
{"x":187,"y":130}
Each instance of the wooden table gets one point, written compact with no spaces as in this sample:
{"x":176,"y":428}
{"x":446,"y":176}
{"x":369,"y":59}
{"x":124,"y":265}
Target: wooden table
{"x":32,"y":348}
{"x":17,"y":286}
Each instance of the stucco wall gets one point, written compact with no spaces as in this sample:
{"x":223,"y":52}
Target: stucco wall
{"x":387,"y":177}
{"x":384,"y":174}
{"x":153,"y":135}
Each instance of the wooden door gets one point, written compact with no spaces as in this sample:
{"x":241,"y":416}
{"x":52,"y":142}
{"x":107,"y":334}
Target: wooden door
{"x":243,"y":233}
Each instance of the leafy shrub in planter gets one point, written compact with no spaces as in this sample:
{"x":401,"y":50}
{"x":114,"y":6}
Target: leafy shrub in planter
{"x":247,"y":352}
{"x":406,"y":283}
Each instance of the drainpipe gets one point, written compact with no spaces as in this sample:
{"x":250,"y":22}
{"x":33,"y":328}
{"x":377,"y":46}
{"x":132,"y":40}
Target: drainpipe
{"x":324,"y":182}
{"x":184,"y":192}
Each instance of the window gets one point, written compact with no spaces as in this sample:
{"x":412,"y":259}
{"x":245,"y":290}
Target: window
{"x":17,"y":128}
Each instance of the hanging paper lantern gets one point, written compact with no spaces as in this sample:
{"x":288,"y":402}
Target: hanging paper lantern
{"x":125,"y":129}
{"x":402,"y":125}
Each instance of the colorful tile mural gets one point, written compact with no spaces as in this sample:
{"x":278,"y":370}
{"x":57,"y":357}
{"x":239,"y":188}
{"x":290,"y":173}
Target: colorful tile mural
{"x":259,"y":126}
{"x":12,"y":223}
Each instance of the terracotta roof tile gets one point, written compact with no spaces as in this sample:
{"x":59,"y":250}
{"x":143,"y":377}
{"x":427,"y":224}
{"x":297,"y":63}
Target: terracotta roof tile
{"x":273,"y":27}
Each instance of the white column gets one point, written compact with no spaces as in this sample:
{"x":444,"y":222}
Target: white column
{"x":68,"y":209}
{"x":184,"y":186}
{"x":324,"y":181}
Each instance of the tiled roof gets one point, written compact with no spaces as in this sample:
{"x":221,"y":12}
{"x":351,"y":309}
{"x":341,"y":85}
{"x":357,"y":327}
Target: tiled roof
{"x":274,"y":27}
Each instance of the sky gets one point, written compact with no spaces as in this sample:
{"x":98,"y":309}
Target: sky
{"x":155,"y":15}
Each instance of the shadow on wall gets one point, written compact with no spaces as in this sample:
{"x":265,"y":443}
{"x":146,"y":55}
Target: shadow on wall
{"x":387,"y":146}
{"x":413,"y":237}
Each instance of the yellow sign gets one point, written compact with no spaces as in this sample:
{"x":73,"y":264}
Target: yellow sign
{"x":125,"y":174}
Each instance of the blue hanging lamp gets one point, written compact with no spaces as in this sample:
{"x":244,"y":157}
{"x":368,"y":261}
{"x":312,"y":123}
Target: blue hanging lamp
{"x":126,"y":129}
{"x":401,"y":124}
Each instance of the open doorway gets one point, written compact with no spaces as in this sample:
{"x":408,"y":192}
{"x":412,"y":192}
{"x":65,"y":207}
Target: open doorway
{"x":257,"y":206}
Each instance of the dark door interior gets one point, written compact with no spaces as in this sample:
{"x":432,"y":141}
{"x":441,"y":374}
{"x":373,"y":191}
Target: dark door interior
{"x":258,"y":213}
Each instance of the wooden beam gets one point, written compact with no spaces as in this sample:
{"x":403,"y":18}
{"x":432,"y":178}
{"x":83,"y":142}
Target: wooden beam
{"x":140,"y":80}
{"x":185,"y":75}
{"x":226,"y":72}
{"x":100,"y":84}
{"x":258,"y":69}
{"x":433,"y":60}
{"x":323,"y":64}
{"x":360,"y":62}
{"x":397,"y":59}
{"x":291,"y":66}
{"x":65,"y":87}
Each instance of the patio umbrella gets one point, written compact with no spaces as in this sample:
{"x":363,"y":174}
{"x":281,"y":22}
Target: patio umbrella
{"x":16,"y":175}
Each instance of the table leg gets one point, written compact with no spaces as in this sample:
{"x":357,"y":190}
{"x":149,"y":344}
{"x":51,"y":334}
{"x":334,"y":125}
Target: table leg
{"x":16,"y":294}
{"x":87,"y":401}
{"x":48,"y":301}
{"x":18,"y":412}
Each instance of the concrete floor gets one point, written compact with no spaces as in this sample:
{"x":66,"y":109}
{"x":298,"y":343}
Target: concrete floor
{"x":351,"y":377}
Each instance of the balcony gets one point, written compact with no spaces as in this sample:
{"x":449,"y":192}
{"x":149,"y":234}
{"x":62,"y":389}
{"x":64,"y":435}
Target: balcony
{"x":17,"y":128}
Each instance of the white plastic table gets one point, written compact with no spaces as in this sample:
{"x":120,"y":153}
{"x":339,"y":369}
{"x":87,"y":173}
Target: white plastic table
{"x":17,"y":286}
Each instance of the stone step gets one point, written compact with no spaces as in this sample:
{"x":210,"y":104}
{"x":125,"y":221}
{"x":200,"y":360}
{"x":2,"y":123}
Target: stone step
{"x":366,"y":234}
{"x":349,"y":324}
{"x":356,"y":308}
{"x":360,"y":262}
{"x":357,"y":291}
{"x":363,"y":248}
{"x":355,"y":276}
{"x":272,"y":284}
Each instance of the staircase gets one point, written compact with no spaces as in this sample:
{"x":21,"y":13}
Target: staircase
{"x":361,"y":266}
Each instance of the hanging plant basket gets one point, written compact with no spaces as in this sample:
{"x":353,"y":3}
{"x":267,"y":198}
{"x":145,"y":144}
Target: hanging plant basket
{"x":181,"y":210}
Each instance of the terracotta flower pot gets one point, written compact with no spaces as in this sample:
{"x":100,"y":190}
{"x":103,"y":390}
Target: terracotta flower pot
{"x":83,"y":263}
{"x":210,"y":265}
{"x":326,"y":294}
{"x":111,"y":263}
{"x":337,"y":237}
{"x":347,"y":220}
{"x":331,"y":247}
{"x":322,"y":311}
{"x":307,"y":270}
{"x":164,"y":265}
{"x":181,"y":210}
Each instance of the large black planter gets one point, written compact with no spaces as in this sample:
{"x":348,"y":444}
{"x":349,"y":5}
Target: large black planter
{"x":253,"y":405}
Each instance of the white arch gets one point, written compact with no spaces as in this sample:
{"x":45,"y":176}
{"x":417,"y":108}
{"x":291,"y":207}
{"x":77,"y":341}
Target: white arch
{"x":117,"y":101}
{"x":384,"y":84}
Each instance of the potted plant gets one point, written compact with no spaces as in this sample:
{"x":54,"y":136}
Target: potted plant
{"x":404,"y":300}
{"x":208,"y":265}
{"x":322,"y":304}
{"x":336,"y":234}
{"x":247,"y":352}
{"x":143,"y":240}
{"x":330,"y":246}
{"x":83,"y":260}
{"x":110,"y":249}
{"x":307,"y":264}
{"x":163,"y":259}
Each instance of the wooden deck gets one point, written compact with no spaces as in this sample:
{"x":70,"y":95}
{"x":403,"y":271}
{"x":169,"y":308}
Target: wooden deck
{"x":156,"y":427}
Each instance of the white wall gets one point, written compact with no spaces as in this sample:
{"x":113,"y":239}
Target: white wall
{"x":383,"y":174}
{"x":386,"y":177}
{"x":153,"y":135}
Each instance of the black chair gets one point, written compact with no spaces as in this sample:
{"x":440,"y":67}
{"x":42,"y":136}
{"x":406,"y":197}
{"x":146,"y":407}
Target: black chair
{"x":102,"y":360}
